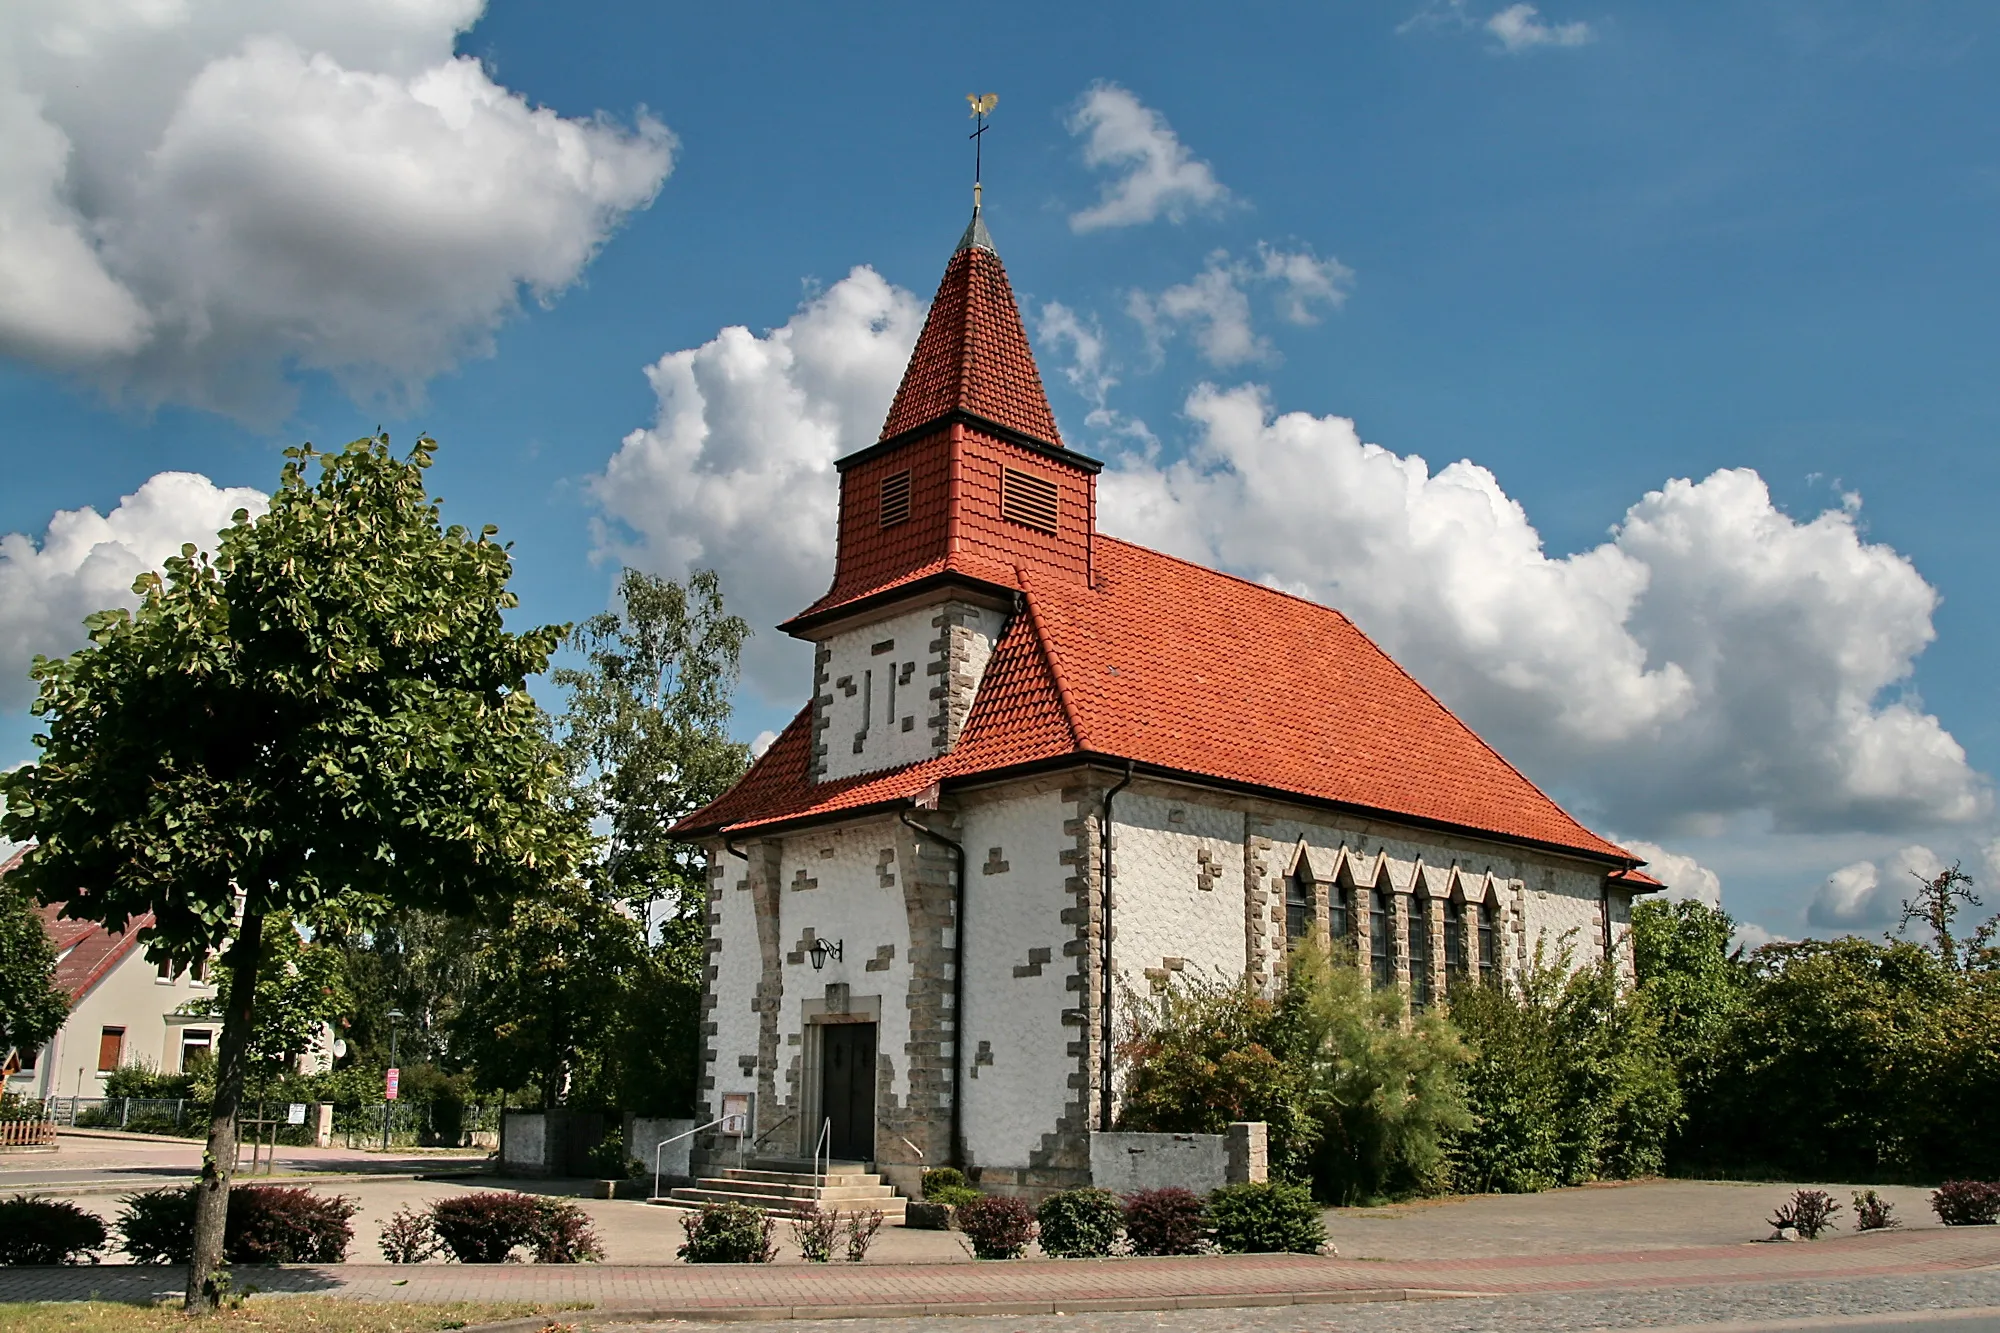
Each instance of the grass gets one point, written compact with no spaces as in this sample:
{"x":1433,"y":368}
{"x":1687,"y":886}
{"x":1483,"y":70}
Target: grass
{"x":269,"y":1314}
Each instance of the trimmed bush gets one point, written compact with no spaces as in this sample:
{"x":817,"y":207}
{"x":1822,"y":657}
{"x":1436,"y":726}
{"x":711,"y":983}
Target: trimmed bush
{"x":563,"y":1234}
{"x":998,"y":1225}
{"x":1080,"y":1223}
{"x":728,"y":1233}
{"x":1165,"y":1221}
{"x":942,"y":1177}
{"x":157,"y":1226}
{"x":277,"y":1224}
{"x":1807,"y":1212}
{"x":48,"y":1231}
{"x":1266,"y":1217}
{"x":409,"y":1238}
{"x":1967,"y":1203}
{"x":957,"y":1196}
{"x":484,"y":1228}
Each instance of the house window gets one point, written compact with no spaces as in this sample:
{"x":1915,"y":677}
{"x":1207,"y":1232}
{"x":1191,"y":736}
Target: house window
{"x":28,"y":1058}
{"x":1420,"y":952}
{"x":895,"y":498}
{"x":1456,"y":965}
{"x":1381,"y":938}
{"x":1298,"y":906}
{"x":196,"y":1046}
{"x":1489,"y":954}
{"x":198,"y":973}
{"x":165,"y":971}
{"x":1339,"y":912}
{"x":110,"y":1049}
{"x":1028,"y":500}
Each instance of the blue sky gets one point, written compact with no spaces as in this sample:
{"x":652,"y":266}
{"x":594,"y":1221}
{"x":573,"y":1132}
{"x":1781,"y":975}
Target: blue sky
{"x":1594,"y":249}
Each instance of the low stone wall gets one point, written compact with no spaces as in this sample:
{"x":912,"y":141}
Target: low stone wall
{"x":524,"y":1143}
{"x":1127,"y":1163}
{"x":644,"y":1133}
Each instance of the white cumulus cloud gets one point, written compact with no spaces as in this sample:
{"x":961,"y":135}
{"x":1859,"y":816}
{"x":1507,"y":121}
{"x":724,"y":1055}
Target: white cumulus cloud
{"x":199,"y":196}
{"x":1214,"y":306}
{"x":1868,"y":893}
{"x":87,"y":561}
{"x":1685,"y":877}
{"x":1522,"y":28}
{"x":736,"y":472}
{"x":1714,"y":657}
{"x":1154,"y":174}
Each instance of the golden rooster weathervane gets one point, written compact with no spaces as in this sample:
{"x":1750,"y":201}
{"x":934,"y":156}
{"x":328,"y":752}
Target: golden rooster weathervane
{"x":982,"y":105}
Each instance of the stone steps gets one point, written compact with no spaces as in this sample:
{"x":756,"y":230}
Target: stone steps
{"x":788,"y":1193}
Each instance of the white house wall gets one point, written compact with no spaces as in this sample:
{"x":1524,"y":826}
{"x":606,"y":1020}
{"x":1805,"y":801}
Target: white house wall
{"x":132,"y":996}
{"x":898,"y":690}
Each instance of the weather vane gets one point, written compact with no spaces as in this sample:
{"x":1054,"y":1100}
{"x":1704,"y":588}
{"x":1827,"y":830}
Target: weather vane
{"x":982,"y":106}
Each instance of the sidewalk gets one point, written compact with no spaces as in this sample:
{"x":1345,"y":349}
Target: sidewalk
{"x":1044,"y":1286}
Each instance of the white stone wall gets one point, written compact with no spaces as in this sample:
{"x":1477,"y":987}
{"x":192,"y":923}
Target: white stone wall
{"x":1176,"y":891}
{"x":737,"y":968}
{"x":130,"y":996}
{"x":879,"y":717}
{"x":1017,"y":1077}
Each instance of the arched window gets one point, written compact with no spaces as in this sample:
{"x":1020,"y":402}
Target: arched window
{"x":1489,"y":950}
{"x":1456,"y":965}
{"x":1420,"y":952}
{"x":1382,"y":937}
{"x":1340,"y":911}
{"x":1300,"y":909}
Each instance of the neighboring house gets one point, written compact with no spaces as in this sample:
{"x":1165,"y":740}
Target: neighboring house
{"x":121,"y":1011}
{"x":1044,"y":770}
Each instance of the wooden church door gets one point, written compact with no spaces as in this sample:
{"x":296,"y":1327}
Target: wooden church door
{"x":847,"y":1089}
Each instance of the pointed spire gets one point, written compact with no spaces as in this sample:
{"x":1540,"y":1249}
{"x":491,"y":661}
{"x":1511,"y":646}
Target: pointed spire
{"x":973,"y":354}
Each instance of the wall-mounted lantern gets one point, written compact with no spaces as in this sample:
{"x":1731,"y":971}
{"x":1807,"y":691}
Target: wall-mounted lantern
{"x":821,"y":951}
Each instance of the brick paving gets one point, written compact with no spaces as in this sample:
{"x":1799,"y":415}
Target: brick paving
{"x":1042,"y":1285}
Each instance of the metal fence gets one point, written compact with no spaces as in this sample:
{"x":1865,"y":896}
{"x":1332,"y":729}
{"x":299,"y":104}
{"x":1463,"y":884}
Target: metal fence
{"x":357,"y":1125}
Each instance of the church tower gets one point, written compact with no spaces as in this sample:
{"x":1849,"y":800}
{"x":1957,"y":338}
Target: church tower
{"x":968,"y":499}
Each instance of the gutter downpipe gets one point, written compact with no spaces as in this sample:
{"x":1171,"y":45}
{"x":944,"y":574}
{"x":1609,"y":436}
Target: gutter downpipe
{"x":1104,"y":954}
{"x":957,"y":985}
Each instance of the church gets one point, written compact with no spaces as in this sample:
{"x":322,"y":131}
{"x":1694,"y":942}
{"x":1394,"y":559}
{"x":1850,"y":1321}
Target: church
{"x":1044,"y":770}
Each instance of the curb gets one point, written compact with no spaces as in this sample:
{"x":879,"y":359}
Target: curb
{"x":611,"y":1316}
{"x":71,"y":1189}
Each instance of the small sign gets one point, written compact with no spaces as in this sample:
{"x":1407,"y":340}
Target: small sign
{"x":390,"y":1081}
{"x":736,"y":1113}
{"x":295,"y":1114}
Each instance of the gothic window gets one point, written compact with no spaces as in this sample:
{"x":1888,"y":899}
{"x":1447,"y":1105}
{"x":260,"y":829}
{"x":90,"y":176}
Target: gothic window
{"x":1489,"y":954}
{"x":1299,"y":905}
{"x":1420,"y":952}
{"x":1339,"y":911}
{"x":1381,"y":938}
{"x":895,"y":498}
{"x":1456,"y":964}
{"x":1028,"y":500}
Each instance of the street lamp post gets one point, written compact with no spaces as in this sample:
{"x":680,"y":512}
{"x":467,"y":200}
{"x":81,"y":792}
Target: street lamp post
{"x":389,"y":1084}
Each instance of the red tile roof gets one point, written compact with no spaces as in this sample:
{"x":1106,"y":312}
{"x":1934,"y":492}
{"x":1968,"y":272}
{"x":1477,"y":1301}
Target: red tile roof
{"x":973,"y":356}
{"x":1120,"y":653}
{"x":85,"y":950}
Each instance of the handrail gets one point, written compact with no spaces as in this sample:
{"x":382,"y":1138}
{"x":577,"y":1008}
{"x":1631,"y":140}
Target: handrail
{"x":676,"y":1139}
{"x":819,"y":1176}
{"x":912,"y":1147}
{"x":759,"y":1140}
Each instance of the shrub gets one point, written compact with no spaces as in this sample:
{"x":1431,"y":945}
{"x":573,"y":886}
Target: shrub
{"x":814,"y":1231}
{"x":1807,"y":1212}
{"x":48,"y":1231}
{"x":275,"y":1224}
{"x":409,"y":1238}
{"x":610,"y":1160}
{"x":142,"y":1081}
{"x":1266,"y":1218}
{"x":484,"y":1228}
{"x":1967,"y":1203}
{"x":942,"y":1177}
{"x":957,"y":1196}
{"x":861,"y":1229}
{"x":1165,"y":1221}
{"x":563,"y":1234}
{"x":999,"y":1226}
{"x":157,"y":1226}
{"x":728,"y":1233}
{"x":1080,"y":1223}
{"x":1872,"y":1212}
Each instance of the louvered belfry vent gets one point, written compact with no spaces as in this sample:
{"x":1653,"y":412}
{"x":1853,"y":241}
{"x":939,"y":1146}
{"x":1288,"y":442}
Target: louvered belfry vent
{"x":895,"y":498}
{"x":1028,"y":500}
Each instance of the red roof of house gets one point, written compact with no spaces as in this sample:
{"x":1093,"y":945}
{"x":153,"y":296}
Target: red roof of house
{"x":1119,"y":653}
{"x":85,"y":950}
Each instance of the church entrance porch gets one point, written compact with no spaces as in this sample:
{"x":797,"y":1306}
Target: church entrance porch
{"x":847,"y":1090}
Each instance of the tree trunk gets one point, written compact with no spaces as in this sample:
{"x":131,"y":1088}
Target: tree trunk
{"x":211,"y":1200}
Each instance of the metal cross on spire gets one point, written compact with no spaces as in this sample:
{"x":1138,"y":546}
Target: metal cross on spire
{"x":982,"y":106}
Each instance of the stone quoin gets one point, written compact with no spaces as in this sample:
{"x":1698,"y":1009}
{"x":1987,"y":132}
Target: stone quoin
{"x":1007,"y":705}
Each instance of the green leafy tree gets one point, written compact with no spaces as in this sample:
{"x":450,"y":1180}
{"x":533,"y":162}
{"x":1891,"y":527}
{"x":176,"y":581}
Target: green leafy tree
{"x":32,"y":1007}
{"x":1696,"y":989}
{"x":1940,"y":898}
{"x":328,"y":715}
{"x":301,"y":984}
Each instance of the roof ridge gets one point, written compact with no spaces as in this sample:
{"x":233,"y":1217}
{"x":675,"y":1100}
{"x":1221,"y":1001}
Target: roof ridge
{"x":1052,"y":661}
